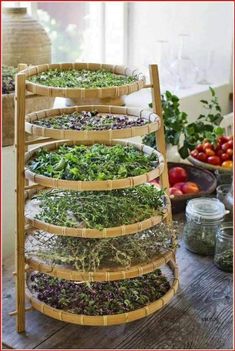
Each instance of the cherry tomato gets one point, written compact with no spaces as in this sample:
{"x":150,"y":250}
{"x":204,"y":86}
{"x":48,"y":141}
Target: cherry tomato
{"x":207,"y":146}
{"x":230,"y":143}
{"x":214,"y":160}
{"x":202,"y":157}
{"x":209,"y":152}
{"x":225,"y":146}
{"x":194,"y":153}
{"x":199,"y":147}
{"x":219,"y":153}
{"x":229,"y":152}
{"x":223,"y":139}
{"x":224,"y":157}
{"x":227,"y":164}
{"x":217,"y":148}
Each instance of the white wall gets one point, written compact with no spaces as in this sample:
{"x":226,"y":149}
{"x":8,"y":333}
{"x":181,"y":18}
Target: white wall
{"x":210,"y":26}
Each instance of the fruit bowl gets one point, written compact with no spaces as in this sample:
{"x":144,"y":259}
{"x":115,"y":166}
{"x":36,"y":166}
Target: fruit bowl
{"x":204,"y":178}
{"x":208,"y":166}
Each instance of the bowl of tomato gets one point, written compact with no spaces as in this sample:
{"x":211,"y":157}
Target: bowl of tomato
{"x":217,"y":156}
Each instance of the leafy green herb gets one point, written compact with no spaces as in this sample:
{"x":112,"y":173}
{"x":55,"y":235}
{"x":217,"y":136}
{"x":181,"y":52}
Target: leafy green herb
{"x":96,"y":162}
{"x":179,"y":131}
{"x":101,"y":209}
{"x":99,"y":298}
{"x":81,"y":79}
{"x":90,"y":120}
{"x":91,"y":254}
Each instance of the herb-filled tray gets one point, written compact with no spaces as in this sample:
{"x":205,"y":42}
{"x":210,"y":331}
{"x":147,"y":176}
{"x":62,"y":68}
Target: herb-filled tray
{"x":109,"y":303}
{"x":96,"y":214}
{"x":97,"y":122}
{"x":83,"y":165}
{"x":100,"y":259}
{"x":83,"y":80}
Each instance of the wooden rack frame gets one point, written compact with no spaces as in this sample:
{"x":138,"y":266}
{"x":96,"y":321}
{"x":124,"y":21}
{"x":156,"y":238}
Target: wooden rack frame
{"x":22,"y":88}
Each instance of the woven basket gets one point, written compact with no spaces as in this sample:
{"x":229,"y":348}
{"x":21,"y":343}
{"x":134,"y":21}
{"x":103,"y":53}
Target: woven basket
{"x":94,"y":185}
{"x":107,"y":274}
{"x":95,"y":233}
{"x":107,"y":320}
{"x":82,"y":93}
{"x":8,"y":113}
{"x":150,"y":117}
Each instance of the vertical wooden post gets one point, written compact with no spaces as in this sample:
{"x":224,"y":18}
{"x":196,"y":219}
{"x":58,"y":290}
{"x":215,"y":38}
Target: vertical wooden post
{"x":20,"y":183}
{"x":160,"y":135}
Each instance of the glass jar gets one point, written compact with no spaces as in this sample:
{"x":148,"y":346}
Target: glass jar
{"x":203,"y":220}
{"x":224,"y":248}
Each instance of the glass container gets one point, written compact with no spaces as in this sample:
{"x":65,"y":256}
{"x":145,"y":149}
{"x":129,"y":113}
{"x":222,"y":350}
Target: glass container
{"x":203,"y":220}
{"x":224,"y":248}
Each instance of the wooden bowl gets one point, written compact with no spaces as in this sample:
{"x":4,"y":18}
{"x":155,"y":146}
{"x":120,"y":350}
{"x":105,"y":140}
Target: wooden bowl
{"x":204,"y":178}
{"x":208,"y":166}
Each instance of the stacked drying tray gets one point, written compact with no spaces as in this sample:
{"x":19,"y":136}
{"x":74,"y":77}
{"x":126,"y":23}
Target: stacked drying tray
{"x":57,"y":275}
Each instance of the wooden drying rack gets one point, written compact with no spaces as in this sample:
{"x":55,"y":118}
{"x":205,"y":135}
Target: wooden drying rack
{"x":22,"y":126}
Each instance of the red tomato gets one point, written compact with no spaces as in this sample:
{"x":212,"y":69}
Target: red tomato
{"x":229,"y":152}
{"x":176,"y":175}
{"x":207,"y":146}
{"x":223,"y":139}
{"x":199,"y":147}
{"x":225,"y":146}
{"x":194,"y":153}
{"x":224,"y":157}
{"x":227,"y":164}
{"x":209,"y":152}
{"x":219,"y":153}
{"x":202,"y":156}
{"x":214,"y":160}
{"x":230,"y":143}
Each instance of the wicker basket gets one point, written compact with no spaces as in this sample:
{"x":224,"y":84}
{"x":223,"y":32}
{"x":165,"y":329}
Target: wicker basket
{"x":82,"y":93}
{"x":152,"y":125}
{"x":107,"y":320}
{"x":94,"y":185}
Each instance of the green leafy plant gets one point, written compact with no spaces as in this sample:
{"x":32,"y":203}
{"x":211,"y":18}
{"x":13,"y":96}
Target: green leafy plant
{"x":99,"y":298}
{"x":178,"y":131}
{"x":99,"y":210}
{"x":81,"y":79}
{"x":96,"y":162}
{"x":91,"y":254}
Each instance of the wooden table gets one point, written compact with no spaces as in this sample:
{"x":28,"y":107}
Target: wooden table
{"x":199,"y":317}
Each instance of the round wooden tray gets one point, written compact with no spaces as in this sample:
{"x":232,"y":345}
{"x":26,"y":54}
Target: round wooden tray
{"x":153,"y":123}
{"x":107,"y":320}
{"x":108,"y":274}
{"x":94,"y":185}
{"x":83,"y":93}
{"x":95,"y":233}
{"x":208,"y":166}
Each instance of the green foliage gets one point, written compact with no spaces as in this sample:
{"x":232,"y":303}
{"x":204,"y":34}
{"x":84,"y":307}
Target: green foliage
{"x":100,"y":210}
{"x":81,"y":79}
{"x":96,"y":162}
{"x":178,"y":131}
{"x":91,"y":254}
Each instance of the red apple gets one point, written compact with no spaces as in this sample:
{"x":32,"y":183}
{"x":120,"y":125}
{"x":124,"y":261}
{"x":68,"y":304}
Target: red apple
{"x":176,"y":175}
{"x":179,"y":185}
{"x":174,"y":191}
{"x":190,"y":188}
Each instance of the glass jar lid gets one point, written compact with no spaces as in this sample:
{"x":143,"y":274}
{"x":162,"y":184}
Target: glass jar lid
{"x":205,"y":209}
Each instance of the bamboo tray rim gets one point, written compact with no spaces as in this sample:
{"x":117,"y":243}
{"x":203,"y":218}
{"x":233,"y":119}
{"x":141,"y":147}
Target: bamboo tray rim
{"x":83,"y":93}
{"x":107,"y":320}
{"x":100,"y":275}
{"x":94,"y":185}
{"x":208,"y":166}
{"x":154,"y":123}
{"x":122,"y":230}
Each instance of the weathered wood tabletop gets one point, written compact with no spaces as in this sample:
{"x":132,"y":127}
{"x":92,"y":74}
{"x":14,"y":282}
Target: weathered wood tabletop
{"x":200,"y":316}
